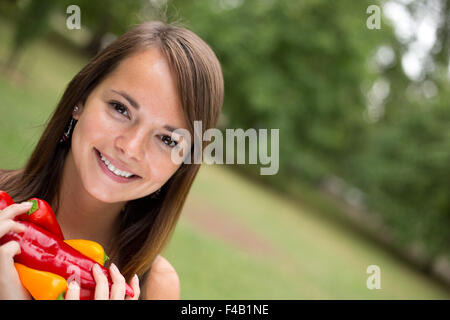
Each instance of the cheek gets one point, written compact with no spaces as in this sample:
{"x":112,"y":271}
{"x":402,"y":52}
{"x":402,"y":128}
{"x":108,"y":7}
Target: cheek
{"x":91,"y":131}
{"x":94,"y":127}
{"x":161,"y":167}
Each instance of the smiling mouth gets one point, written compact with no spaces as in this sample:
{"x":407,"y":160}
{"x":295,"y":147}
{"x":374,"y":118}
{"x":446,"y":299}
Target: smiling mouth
{"x":118,"y":173}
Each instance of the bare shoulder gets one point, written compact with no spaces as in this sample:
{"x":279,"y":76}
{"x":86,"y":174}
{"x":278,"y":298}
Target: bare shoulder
{"x":162,"y":282}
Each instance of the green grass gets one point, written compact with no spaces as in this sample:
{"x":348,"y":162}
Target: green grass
{"x":318,"y":259}
{"x":315,"y":258}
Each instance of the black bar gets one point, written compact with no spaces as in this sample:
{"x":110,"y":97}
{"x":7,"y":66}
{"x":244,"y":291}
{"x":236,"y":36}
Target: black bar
{"x":229,"y":309}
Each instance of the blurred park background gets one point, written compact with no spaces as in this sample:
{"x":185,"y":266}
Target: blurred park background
{"x":364,"y":118}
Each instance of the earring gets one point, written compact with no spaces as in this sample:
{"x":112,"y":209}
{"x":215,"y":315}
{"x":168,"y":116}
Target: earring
{"x":66,"y":135}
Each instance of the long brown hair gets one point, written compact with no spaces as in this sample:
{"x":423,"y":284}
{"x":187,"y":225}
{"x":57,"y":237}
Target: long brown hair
{"x":146,"y":224}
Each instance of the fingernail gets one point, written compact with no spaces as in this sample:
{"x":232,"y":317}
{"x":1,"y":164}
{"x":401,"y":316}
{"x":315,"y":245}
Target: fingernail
{"x":136,"y":278}
{"x":96,"y":268}
{"x":114,"y":267}
{"x":26,"y":204}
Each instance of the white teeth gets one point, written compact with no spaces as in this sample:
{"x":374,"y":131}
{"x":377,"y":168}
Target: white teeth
{"x":114,"y":169}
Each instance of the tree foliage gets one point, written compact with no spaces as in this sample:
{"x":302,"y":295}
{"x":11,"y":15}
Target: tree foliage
{"x":306,"y":67}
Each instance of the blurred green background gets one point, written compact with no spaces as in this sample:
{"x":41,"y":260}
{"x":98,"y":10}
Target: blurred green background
{"x":364,"y":120}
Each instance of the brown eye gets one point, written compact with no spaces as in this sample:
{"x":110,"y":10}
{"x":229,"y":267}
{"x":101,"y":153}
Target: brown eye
{"x":120,"y":108}
{"x":168,"y":141}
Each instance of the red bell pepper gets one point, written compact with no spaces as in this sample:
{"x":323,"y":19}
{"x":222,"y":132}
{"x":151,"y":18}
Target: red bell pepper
{"x":40,"y":213}
{"x":5,"y":200}
{"x":44,"y":251}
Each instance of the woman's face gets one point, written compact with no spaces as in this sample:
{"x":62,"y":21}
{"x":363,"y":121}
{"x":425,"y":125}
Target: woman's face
{"x":127,"y":119}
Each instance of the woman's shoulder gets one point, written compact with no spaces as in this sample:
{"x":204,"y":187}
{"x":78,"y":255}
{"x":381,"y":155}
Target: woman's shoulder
{"x":162,"y":282}
{"x":161,"y":264}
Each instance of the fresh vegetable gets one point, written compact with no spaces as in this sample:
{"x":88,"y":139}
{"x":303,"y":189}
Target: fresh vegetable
{"x":89,"y":248}
{"x":49,"y":286}
{"x":40,"y":213}
{"x":41,"y":285}
{"x":44,"y":284}
{"x":44,"y":251}
{"x":94,"y":251}
{"x":5,"y":200}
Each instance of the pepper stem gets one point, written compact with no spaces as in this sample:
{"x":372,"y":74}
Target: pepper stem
{"x":34,"y":207}
{"x":105,"y":258}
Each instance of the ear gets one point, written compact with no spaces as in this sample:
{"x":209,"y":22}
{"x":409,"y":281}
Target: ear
{"x":77,"y":111}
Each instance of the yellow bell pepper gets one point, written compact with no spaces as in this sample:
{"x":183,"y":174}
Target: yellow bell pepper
{"x":41,"y":285}
{"x":44,"y":285}
{"x":90,"y":249}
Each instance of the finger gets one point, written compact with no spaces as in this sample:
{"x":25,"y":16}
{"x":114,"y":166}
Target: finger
{"x":15,"y":209}
{"x":10,"y":225}
{"x":102,"y":286}
{"x":73,"y":291}
{"x":137,"y":290}
{"x":118,"y":285}
{"x":9,"y":250}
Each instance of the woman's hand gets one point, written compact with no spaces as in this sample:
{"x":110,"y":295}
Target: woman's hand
{"x":102,"y":287}
{"x":10,"y":286}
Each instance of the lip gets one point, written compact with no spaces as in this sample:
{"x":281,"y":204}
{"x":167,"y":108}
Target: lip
{"x":114,"y":177}
{"x":115,"y":163}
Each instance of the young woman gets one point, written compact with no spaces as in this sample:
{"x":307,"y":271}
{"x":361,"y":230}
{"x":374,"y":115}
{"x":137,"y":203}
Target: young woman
{"x":104,"y":160}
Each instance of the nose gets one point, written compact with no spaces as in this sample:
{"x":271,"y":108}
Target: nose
{"x":131,"y":144}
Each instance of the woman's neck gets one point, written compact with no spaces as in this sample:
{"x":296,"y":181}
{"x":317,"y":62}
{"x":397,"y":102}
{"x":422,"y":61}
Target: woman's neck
{"x":82,"y":216}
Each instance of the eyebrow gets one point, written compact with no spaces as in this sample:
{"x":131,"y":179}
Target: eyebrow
{"x":129,"y":99}
{"x":170,"y":128}
{"x":136,"y":105}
